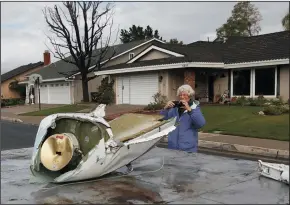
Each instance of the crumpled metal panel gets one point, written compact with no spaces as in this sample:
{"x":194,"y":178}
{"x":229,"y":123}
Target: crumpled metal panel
{"x":129,"y":126}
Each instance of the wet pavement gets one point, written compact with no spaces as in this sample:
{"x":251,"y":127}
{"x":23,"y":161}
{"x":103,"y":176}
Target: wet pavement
{"x":16,"y":135}
{"x":160,"y":176}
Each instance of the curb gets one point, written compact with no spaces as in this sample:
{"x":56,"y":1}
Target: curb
{"x":11,"y":119}
{"x":252,"y":150}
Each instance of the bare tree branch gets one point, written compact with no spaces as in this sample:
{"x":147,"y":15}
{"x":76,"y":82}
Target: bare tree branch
{"x":78,"y":31}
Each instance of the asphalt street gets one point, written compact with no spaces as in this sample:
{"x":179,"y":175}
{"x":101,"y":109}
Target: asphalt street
{"x":160,"y":176}
{"x":17,"y":135}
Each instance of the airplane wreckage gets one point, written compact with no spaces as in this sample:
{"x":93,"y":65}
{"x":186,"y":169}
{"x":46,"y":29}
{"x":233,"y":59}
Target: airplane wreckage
{"x":80,"y":146}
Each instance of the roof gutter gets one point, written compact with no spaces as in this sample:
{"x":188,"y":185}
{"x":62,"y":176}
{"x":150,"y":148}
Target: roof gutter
{"x":195,"y":65}
{"x":46,"y":80}
{"x":160,"y":67}
{"x":257,"y":63}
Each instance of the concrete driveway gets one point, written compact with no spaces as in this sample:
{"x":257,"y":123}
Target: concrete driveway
{"x":16,"y":110}
{"x":13,"y":112}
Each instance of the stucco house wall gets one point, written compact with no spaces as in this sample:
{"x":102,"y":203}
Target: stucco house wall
{"x":284,"y":82}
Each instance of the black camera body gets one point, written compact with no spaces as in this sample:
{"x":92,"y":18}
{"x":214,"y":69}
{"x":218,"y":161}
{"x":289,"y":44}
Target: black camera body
{"x":178,"y":104}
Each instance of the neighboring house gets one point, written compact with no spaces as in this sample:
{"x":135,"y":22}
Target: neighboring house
{"x":14,"y":76}
{"x":57,"y":88}
{"x":246,"y":66}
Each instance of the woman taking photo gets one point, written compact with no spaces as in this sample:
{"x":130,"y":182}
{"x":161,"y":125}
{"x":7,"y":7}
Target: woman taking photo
{"x":188,"y":120}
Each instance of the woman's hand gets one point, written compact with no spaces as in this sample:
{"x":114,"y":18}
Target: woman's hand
{"x":169,"y":104}
{"x":186,"y":106}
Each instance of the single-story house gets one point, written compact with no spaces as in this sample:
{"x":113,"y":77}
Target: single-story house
{"x":61,"y":81}
{"x":19,"y":74}
{"x":245,"y":66}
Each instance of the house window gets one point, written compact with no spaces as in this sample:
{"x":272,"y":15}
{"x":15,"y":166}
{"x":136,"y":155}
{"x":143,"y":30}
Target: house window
{"x":265,"y":81}
{"x":131,"y":55}
{"x":242,"y":82}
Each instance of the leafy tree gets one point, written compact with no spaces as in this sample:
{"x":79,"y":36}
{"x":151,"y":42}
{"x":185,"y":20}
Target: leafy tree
{"x":138,"y":33}
{"x":285,"y":22}
{"x":244,"y":21}
{"x":78,"y":30}
{"x":175,"y":41}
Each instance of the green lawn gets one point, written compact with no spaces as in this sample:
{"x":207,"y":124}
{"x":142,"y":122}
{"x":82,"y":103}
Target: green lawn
{"x":61,"y":109}
{"x":244,"y":121}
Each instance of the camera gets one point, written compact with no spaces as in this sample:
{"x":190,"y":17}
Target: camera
{"x":178,"y":103}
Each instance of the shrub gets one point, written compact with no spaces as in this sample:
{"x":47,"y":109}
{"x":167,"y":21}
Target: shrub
{"x":11,"y":102}
{"x":272,"y":110}
{"x":105,"y":93}
{"x":259,"y":101}
{"x":241,"y":101}
{"x":158,"y":104}
{"x":277,"y":101}
{"x":276,"y":109}
{"x":284,"y":108}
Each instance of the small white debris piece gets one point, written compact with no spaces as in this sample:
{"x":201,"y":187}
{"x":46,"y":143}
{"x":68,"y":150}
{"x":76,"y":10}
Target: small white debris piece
{"x":261,"y":113}
{"x":279,"y":172}
{"x":99,"y":112}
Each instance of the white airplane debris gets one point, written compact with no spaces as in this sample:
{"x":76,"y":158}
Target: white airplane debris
{"x":79,"y":146}
{"x":279,"y":172}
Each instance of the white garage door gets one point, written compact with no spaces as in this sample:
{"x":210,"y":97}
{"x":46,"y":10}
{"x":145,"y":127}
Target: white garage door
{"x":44,"y":94}
{"x":55,"y":93}
{"x":59,"y":93}
{"x":137,"y":89}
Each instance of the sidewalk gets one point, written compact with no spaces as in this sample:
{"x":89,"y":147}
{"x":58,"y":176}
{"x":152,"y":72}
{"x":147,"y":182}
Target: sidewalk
{"x":245,"y":145}
{"x":219,"y":142}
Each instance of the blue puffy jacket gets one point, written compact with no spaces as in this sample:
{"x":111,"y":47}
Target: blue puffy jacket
{"x":185,"y":136}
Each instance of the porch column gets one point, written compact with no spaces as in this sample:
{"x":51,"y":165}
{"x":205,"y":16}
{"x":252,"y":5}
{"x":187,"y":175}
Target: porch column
{"x":189,"y":78}
{"x":27,"y":95}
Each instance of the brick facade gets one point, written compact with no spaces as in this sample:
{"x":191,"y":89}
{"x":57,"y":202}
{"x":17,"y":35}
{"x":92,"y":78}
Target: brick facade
{"x":189,"y":78}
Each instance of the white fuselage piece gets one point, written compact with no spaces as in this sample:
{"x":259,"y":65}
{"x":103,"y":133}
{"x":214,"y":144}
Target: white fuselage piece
{"x":105,"y":157}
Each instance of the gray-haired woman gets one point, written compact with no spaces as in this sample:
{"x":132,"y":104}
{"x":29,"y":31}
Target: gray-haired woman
{"x":189,"y":120}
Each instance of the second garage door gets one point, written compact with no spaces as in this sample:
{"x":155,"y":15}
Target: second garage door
{"x":137,"y":89}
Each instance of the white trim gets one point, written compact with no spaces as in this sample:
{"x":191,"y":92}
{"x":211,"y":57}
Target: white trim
{"x":206,"y":65}
{"x":127,"y":51}
{"x":54,"y":79}
{"x":155,"y":48}
{"x":159,"y":67}
{"x":257,"y":63}
{"x":47,"y":80}
{"x":253,"y":84}
{"x":195,"y":64}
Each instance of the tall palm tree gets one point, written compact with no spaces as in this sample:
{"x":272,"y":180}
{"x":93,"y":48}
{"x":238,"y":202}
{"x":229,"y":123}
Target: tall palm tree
{"x":285,"y":22}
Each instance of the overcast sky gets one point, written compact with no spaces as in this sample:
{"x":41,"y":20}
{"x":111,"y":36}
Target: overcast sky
{"x":23,"y":27}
